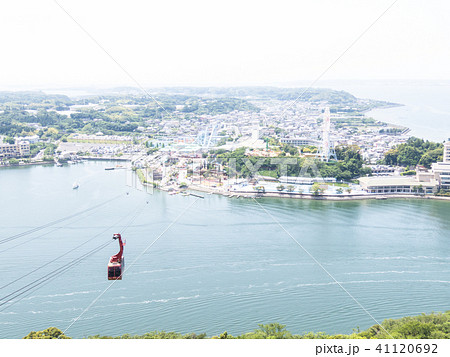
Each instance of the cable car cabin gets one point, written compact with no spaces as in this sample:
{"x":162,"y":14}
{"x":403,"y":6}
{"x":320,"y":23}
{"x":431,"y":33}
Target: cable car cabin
{"x":116,"y":265}
{"x":115,"y":270}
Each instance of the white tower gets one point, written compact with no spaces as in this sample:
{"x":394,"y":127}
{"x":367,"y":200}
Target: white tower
{"x":326,"y":149}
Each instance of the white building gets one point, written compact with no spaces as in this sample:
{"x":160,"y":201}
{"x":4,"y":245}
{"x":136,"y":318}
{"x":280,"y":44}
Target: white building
{"x":384,"y":170}
{"x":305,"y":180}
{"x":298,"y":141}
{"x":447,"y":151}
{"x":396,"y":184}
{"x":21,"y":148}
{"x":442,"y":169}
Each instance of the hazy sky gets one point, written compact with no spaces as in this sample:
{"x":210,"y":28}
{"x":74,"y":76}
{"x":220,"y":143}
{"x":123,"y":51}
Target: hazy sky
{"x":220,"y":42}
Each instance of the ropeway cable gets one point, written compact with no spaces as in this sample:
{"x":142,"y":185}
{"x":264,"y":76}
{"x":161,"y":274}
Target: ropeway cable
{"x":43,"y":234}
{"x":57,"y":272}
{"x":4,"y":300}
{"x":36,"y":229}
{"x":53,"y":274}
{"x":43,"y":283}
{"x":62,"y":255}
{"x":130,"y":265}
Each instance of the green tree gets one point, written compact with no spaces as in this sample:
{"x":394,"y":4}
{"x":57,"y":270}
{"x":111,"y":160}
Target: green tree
{"x":269,"y":331}
{"x":8,"y":140}
{"x":260,"y":189}
{"x":315,"y":189}
{"x":280,"y":188}
{"x":430,"y":157}
{"x":290,"y":188}
{"x":289,"y":149}
{"x":415,"y":151}
{"x":49,"y":333}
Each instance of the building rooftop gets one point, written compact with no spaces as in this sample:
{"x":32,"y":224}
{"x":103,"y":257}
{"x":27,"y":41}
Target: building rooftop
{"x":392,"y":181}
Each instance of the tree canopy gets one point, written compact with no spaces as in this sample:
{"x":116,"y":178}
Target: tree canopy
{"x":414,"y":152}
{"x":424,"y":326}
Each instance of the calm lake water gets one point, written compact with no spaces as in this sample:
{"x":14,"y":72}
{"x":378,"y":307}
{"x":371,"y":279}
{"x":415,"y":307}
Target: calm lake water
{"x":224,"y":265}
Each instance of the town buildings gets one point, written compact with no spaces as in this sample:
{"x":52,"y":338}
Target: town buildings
{"x":424,"y":181}
{"x":18,"y":149}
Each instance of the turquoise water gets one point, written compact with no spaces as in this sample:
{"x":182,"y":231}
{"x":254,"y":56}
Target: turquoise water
{"x":224,"y":265}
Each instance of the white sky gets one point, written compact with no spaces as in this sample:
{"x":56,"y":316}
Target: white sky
{"x":191,"y":42}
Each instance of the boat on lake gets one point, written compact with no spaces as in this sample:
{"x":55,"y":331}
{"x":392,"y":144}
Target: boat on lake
{"x":75,"y":185}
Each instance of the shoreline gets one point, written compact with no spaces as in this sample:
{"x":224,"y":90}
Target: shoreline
{"x":30,"y":164}
{"x":304,"y":196}
{"x":284,"y":195}
{"x":64,"y":163}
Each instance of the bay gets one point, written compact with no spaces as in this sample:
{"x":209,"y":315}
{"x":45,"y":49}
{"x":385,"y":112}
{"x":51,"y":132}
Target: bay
{"x":218,"y":264}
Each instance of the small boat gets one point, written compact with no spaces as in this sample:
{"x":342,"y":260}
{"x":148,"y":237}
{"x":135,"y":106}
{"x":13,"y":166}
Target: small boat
{"x":185,"y":194}
{"x":109,"y":168}
{"x":58,"y":164}
{"x":75,"y":185}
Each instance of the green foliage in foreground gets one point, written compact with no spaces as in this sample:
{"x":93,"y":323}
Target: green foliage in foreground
{"x":431,"y":326}
{"x":47,"y":334}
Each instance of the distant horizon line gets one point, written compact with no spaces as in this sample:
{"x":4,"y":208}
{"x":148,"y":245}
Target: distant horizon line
{"x":292,"y":84}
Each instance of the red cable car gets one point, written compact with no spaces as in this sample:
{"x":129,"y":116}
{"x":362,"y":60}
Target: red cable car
{"x":116,"y":265}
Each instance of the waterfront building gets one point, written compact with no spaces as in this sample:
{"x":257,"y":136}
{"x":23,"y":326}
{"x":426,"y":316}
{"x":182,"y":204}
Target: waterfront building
{"x":442,"y":170}
{"x":19,"y":149}
{"x":305,"y":180}
{"x":429,"y":181}
{"x":447,"y":151}
{"x":24,"y":148}
{"x":397,"y":184}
